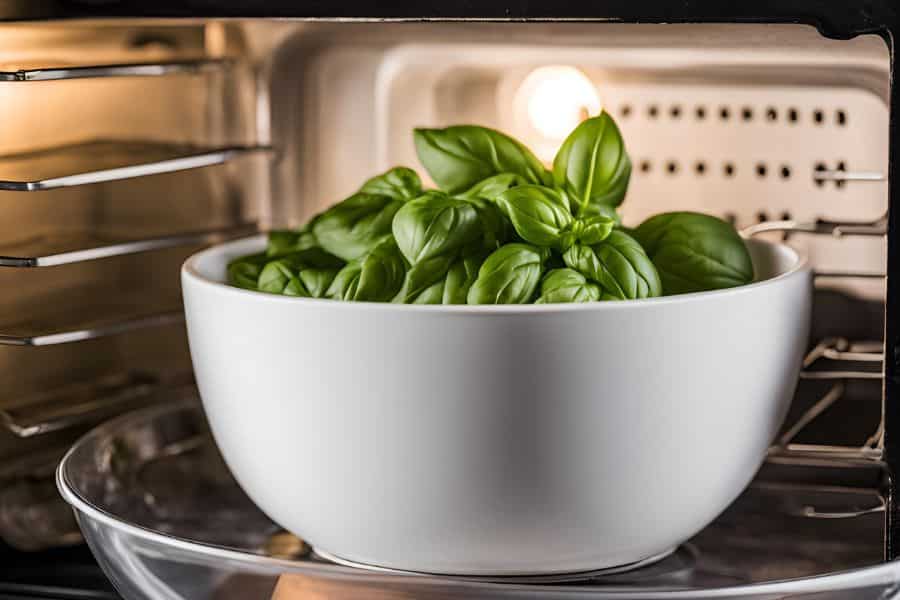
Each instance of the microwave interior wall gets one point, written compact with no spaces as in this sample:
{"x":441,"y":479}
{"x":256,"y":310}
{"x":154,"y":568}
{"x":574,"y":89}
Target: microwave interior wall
{"x":741,"y":121}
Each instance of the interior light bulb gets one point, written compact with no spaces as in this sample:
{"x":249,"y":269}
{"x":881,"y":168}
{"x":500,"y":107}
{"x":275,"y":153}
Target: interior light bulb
{"x":552,"y":101}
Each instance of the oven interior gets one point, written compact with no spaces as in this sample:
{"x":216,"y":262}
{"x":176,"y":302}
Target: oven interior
{"x":130,"y":144}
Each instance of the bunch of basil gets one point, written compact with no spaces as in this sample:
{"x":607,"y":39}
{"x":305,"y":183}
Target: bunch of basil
{"x":501,"y":229}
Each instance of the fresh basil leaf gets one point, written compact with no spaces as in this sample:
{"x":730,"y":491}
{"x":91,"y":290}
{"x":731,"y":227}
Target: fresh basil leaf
{"x":244,"y":271}
{"x":459,"y":157}
{"x":431,"y":295}
{"x":490,"y":188}
{"x":538,"y":214}
{"x":375,"y":277}
{"x":434,"y":224}
{"x":592,"y":230}
{"x":352,"y":227}
{"x":460,"y":278}
{"x":284,"y":241}
{"x":400,"y":183}
{"x":695,"y":252}
{"x":510,"y":275}
{"x":592,"y":165}
{"x":422,"y":276}
{"x":495,"y":227}
{"x":601,"y":210}
{"x":618,"y":264}
{"x":314,"y":282}
{"x":276,"y":275}
{"x":567,"y":285}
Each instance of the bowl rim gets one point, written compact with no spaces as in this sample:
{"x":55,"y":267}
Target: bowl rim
{"x":191,"y":275}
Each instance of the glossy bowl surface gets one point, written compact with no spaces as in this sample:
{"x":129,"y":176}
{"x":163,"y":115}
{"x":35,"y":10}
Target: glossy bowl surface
{"x":496,"y":440}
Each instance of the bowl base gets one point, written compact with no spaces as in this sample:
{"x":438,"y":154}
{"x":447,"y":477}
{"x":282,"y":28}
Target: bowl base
{"x":568,"y":577}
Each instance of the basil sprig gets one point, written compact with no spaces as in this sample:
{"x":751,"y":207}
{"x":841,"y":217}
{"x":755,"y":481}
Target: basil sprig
{"x":501,"y":229}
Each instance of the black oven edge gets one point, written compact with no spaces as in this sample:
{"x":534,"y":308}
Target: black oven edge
{"x":840,"y":19}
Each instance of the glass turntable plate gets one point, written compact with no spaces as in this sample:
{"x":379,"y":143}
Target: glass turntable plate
{"x":165,"y":519}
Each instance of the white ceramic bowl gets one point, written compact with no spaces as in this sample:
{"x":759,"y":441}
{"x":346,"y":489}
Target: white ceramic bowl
{"x":499,"y":440}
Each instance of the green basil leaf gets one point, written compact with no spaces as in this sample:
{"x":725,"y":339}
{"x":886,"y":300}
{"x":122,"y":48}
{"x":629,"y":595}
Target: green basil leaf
{"x":352,"y":227}
{"x":400,"y":183}
{"x":510,"y":275}
{"x":695,"y":252}
{"x":244,"y":271}
{"x":346,"y":282}
{"x":618,"y":264}
{"x":276,"y":275}
{"x":593,"y":230}
{"x":490,"y":188}
{"x":422,"y":276}
{"x":460,"y":278}
{"x":495,"y":227}
{"x":538,"y":214}
{"x":431,"y":295}
{"x":314,"y":282}
{"x":592,"y":165}
{"x":434,"y":224}
{"x":567,"y":285}
{"x":375,"y":277}
{"x":459,"y":157}
{"x":284,"y":241}
{"x":601,"y":210}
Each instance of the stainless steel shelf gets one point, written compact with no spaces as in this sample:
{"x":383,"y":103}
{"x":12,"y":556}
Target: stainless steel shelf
{"x":62,"y":248}
{"x":86,"y":402}
{"x":155,"y":69}
{"x":97,"y":330}
{"x":846,"y":360}
{"x":820,"y":227}
{"x":99,"y":161}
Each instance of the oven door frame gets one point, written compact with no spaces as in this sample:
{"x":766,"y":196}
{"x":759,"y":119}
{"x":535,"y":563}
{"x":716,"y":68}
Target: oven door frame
{"x":838,"y":19}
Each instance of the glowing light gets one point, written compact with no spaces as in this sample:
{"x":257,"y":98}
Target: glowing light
{"x":550,"y":103}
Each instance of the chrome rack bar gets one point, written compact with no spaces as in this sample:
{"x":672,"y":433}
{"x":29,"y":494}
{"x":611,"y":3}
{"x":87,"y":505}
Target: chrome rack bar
{"x":837,"y":348}
{"x":116,"y":70}
{"x":148,"y":159}
{"x":821,"y":452}
{"x":85,"y":402}
{"x":842,"y":350}
{"x":838,"y":175}
{"x":820,"y":227}
{"x":834,"y":349}
{"x":88,"y":333}
{"x":51,"y":259}
{"x":847,"y":274}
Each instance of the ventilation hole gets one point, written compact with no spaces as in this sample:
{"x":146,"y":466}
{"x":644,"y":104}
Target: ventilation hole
{"x":724,"y":113}
{"x":652,"y":111}
{"x":731,"y":217}
{"x":671,"y":167}
{"x":645,"y":166}
{"x":625,"y":110}
{"x":820,"y":166}
{"x":761,"y":169}
{"x":818,"y":116}
{"x":841,"y":117}
{"x":747,"y":113}
{"x":785,"y":216}
{"x":793,"y":115}
{"x":841,"y":166}
{"x":700,"y":167}
{"x":785,"y":171}
{"x":729,"y":169}
{"x":700,"y":112}
{"x":762,"y":216}
{"x":675,"y":112}
{"x":772,"y":114}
